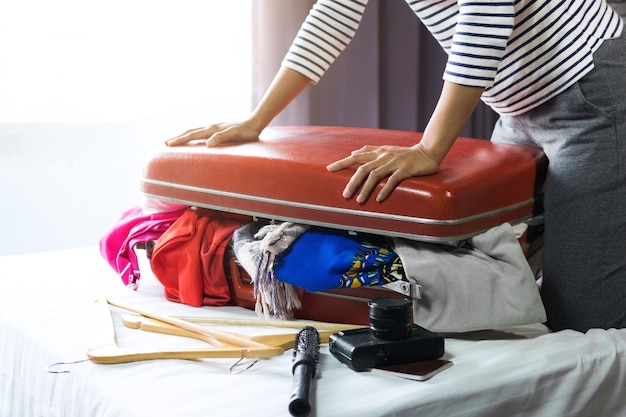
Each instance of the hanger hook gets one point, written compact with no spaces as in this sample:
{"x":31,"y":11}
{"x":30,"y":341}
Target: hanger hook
{"x":239,"y":361}
{"x":50,"y":368}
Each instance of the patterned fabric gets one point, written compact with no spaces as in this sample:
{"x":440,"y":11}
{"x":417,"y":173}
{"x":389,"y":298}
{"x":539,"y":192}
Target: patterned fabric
{"x":372,"y":265}
{"x":323,"y":259}
{"x":281,"y":257}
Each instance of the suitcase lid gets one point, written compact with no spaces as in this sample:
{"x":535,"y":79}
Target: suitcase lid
{"x":283,"y":176}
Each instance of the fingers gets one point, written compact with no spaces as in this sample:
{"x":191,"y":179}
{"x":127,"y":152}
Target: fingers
{"x":369,"y":175}
{"x":341,"y":164}
{"x":392,"y":182}
{"x":216,"y":134}
{"x":201,"y":133}
{"x":374,"y":167}
{"x":231,"y":134}
{"x":363,"y":178}
{"x":359,"y":156}
{"x":377,"y":163}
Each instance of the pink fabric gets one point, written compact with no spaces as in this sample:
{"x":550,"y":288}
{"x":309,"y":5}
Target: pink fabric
{"x":118,"y":244}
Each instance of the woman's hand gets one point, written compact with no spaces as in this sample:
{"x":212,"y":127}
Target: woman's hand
{"x":285,"y":87}
{"x":455,"y":105}
{"x":395,"y":163}
{"x":218,"y":134}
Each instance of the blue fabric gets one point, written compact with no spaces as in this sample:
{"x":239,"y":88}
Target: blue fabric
{"x":323,"y":259}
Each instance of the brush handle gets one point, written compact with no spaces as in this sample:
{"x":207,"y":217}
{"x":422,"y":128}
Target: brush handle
{"x":303,"y":371}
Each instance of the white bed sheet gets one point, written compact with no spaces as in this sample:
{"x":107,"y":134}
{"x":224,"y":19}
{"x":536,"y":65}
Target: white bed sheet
{"x":46,"y":317}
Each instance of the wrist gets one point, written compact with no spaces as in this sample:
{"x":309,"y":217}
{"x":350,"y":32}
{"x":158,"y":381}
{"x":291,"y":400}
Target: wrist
{"x":256,"y":124}
{"x":427,"y":153}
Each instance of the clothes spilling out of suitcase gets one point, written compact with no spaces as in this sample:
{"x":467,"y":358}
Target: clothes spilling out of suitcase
{"x":209,"y":257}
{"x":190,"y":251}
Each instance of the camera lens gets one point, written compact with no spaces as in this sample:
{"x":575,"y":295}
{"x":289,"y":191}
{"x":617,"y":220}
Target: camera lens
{"x":390,"y":318}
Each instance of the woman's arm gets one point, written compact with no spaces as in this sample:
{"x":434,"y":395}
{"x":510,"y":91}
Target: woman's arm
{"x":326,"y":32}
{"x":454,"y":108}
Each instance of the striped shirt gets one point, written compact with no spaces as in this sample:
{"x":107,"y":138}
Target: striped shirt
{"x":523,"y":52}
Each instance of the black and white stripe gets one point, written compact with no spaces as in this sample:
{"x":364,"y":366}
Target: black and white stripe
{"x":522,"y":51}
{"x":327,"y":30}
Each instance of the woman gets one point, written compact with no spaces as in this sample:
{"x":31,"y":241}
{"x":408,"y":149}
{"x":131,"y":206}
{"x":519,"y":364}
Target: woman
{"x":555,"y":73}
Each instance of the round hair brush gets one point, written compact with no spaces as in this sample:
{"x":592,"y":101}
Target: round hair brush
{"x":306,"y":355}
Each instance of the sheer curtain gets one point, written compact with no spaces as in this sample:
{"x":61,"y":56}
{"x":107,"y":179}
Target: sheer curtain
{"x":389,"y":76}
{"x":88,"y":88}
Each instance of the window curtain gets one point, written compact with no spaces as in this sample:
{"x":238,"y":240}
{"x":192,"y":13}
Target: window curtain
{"x":389,"y":76}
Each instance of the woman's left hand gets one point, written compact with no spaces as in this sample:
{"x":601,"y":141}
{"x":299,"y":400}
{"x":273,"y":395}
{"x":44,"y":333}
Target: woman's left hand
{"x":395,"y":163}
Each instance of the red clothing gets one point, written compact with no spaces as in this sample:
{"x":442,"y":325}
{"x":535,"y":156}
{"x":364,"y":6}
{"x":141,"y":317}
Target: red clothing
{"x":188,"y":258}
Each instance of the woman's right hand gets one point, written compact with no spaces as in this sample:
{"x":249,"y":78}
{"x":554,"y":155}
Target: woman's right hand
{"x":217,"y":134}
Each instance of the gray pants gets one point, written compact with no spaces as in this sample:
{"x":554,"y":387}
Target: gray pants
{"x":583,"y":133}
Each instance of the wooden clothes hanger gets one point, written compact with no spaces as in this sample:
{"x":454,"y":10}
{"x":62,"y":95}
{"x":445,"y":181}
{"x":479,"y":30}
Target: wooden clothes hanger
{"x":282,"y":340}
{"x":106,"y":351}
{"x":224,"y":344}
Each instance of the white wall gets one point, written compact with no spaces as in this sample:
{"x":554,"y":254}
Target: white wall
{"x":87,"y":89}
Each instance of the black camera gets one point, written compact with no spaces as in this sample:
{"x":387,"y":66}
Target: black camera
{"x":391,"y":339}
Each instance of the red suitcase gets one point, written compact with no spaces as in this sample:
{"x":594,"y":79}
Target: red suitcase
{"x":283,"y":177}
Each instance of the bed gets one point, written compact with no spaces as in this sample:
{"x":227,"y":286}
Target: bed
{"x":46,"y":324}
